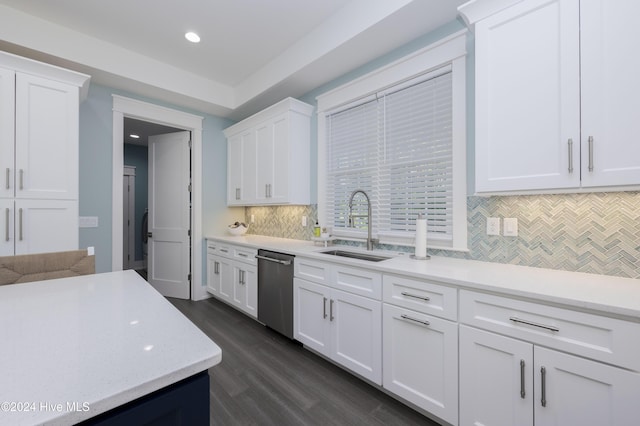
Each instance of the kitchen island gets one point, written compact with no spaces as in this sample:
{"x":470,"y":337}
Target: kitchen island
{"x":76,"y":348}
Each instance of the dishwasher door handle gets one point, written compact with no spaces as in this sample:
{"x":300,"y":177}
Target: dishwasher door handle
{"x":271,"y":259}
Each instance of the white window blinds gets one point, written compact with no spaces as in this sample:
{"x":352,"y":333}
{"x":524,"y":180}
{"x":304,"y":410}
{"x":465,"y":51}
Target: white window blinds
{"x":396,"y":146}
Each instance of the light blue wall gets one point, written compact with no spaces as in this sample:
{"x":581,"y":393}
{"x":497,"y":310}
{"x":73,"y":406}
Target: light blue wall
{"x":96,"y":129}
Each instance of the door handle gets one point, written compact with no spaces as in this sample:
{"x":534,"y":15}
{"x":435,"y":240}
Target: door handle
{"x":570,"y":145}
{"x":590,"y":153}
{"x":8,"y":177}
{"x":149,"y":234}
{"x":20,"y":220}
{"x":324,"y":307}
{"x":331,"y":317}
{"x":6,"y":228}
{"x":216,"y":268}
{"x":21,"y":179}
{"x":522,"y":393}
{"x":543,"y":387}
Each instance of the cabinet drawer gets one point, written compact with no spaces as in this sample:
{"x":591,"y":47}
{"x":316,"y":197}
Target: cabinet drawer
{"x":244,"y":254}
{"x":357,"y":281}
{"x":602,"y":338}
{"x":421,"y":296}
{"x":311,"y":270}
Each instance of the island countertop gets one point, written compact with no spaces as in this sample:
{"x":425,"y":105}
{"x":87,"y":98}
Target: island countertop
{"x":74,"y":348}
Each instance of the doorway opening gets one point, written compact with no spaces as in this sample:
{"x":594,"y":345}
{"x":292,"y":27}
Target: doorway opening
{"x":131,"y":108}
{"x":135,"y":191}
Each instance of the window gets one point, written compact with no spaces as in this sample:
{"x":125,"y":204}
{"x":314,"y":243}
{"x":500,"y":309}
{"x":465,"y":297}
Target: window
{"x":404,"y":146}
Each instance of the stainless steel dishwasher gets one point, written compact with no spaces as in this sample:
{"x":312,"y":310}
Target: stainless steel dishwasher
{"x":275,"y":291}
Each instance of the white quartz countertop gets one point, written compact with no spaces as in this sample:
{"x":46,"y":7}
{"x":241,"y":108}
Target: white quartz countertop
{"x":615,"y":296}
{"x":73,"y":348}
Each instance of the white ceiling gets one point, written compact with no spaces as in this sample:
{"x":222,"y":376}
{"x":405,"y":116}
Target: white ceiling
{"x":253,"y":52}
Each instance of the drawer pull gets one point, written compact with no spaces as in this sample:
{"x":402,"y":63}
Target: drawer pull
{"x":543,"y":386}
{"x":407,"y":317}
{"x":535,"y":324}
{"x":331,"y":317}
{"x":224,"y":250}
{"x":324,"y":307}
{"x":425,"y":298}
{"x":242,"y":255}
{"x":522,"y":393}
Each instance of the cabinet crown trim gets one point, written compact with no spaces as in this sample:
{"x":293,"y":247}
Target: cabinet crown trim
{"x":51,"y":72}
{"x":286,"y":105}
{"x":476,"y":10}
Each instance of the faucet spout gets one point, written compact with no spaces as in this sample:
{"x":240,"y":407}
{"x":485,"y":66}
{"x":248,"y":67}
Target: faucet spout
{"x":368,"y":216}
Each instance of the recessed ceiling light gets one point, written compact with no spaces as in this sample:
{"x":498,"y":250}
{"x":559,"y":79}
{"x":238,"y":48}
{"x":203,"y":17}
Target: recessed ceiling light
{"x":134,"y":136}
{"x":192,"y":37}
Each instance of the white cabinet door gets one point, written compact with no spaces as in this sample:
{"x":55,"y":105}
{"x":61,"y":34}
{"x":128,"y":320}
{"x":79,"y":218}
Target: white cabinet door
{"x":245,"y":288}
{"x":7,"y":117}
{"x":357,"y":334}
{"x":225,"y":270}
{"x":420,"y":360}
{"x":7,"y":219}
{"x":311,"y":325}
{"x":528,"y":97}
{"x":45,"y":226}
{"x":610,"y":92}
{"x":577,"y":391}
{"x":284,"y":176}
{"x":241,"y":169}
{"x":46,"y":135}
{"x":266,"y":162}
{"x":496,"y":386}
{"x":213,"y":275}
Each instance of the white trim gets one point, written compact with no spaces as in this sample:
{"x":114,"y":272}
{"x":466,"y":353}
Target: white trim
{"x":449,"y":50}
{"x":424,"y":60}
{"x":169,"y":117}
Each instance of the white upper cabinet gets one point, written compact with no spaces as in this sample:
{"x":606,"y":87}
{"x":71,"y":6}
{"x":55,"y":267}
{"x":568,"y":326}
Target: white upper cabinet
{"x":39,"y":159}
{"x":46,"y":139}
{"x":268,"y":160}
{"x":610,"y":92}
{"x":555,"y":95}
{"x":7,"y":119}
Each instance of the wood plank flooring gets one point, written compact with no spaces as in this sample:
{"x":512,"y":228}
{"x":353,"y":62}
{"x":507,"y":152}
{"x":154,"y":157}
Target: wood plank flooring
{"x":266,"y":379}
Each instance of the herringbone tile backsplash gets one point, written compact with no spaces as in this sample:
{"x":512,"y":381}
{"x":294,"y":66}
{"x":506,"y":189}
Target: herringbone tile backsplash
{"x":596,"y":232}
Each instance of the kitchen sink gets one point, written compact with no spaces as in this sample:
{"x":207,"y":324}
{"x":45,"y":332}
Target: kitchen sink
{"x":356,"y":255}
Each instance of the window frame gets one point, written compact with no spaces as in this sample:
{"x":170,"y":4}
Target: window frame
{"x":450,"y":51}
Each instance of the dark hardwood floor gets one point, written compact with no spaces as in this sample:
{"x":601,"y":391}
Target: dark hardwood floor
{"x":266,"y":379}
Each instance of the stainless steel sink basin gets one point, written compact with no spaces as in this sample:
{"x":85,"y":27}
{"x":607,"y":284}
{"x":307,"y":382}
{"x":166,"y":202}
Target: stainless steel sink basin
{"x":355,"y":255}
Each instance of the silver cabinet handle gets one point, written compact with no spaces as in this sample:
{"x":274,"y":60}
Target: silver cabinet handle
{"x":425,"y":298}
{"x":20,"y":220}
{"x":535,"y":324}
{"x":21,"y":179}
{"x":324,"y":307}
{"x":543,"y":387}
{"x":237,"y":193}
{"x":331,"y":317}
{"x":6,"y":228}
{"x":271,"y":259}
{"x":224,"y":250}
{"x":590,"y":153}
{"x":570,"y":144}
{"x":216,"y":268}
{"x":407,"y":317}
{"x":242,"y":254}
{"x":270,"y":191}
{"x":8,"y":177}
{"x":242,"y":277}
{"x":522,"y":393}
{"x":266,"y":190}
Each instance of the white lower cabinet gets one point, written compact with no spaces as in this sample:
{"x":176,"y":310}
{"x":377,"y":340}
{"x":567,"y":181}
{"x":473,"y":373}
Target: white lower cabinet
{"x":508,"y":381}
{"x":344,"y":327}
{"x":233,"y":281}
{"x":420,"y":361}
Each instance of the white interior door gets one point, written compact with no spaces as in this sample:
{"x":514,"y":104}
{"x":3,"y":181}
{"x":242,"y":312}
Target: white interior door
{"x":169,"y":214}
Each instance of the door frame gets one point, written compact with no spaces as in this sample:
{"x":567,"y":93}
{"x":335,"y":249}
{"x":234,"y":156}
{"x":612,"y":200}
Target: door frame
{"x":127,"y":107}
